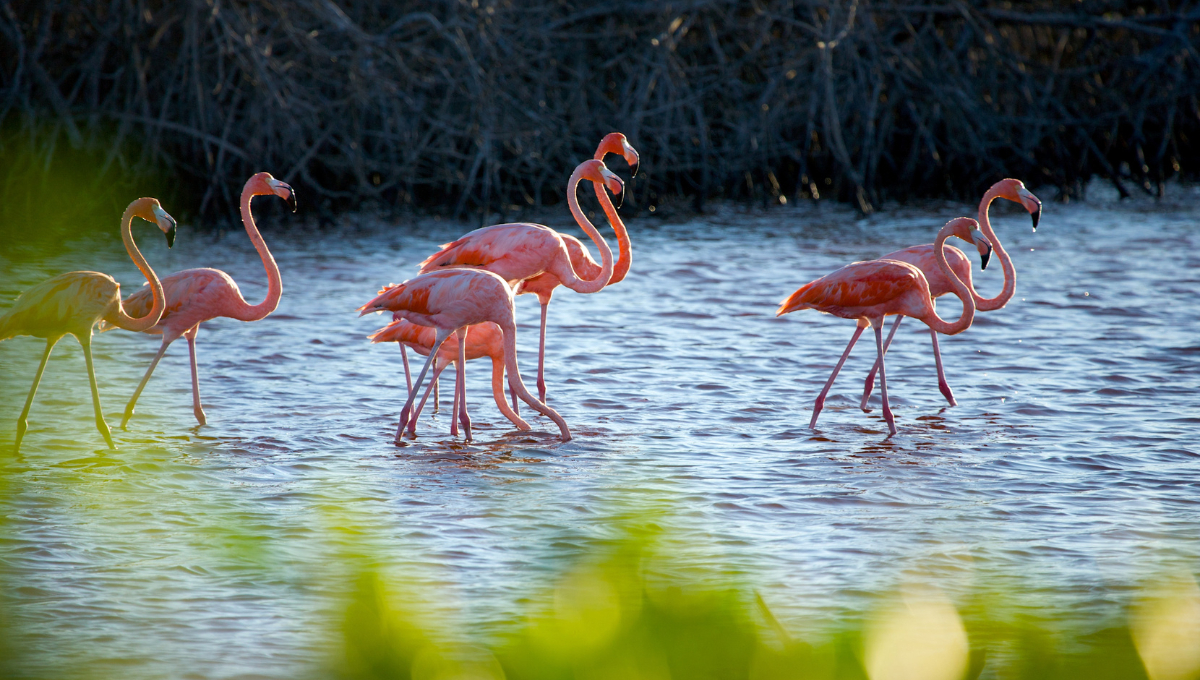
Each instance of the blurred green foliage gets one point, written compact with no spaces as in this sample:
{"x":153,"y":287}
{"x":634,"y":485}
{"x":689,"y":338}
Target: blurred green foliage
{"x":629,"y":612}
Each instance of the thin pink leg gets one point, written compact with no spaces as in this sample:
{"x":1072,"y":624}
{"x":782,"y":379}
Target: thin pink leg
{"x":512,"y":392}
{"x":441,"y":336}
{"x":887,"y":409}
{"x":412,"y":423}
{"x":168,"y":338}
{"x":870,"y":383}
{"x":541,"y":379}
{"x":454,"y":404}
{"x":937,"y":359}
{"x":407,"y":380}
{"x":407,"y":372}
{"x":820,"y":403}
{"x":196,"y":408}
{"x":461,"y":383}
{"x":437,"y":395}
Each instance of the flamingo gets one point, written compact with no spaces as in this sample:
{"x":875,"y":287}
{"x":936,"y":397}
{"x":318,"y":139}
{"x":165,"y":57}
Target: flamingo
{"x":923,"y":258}
{"x":515,"y":252}
{"x":198,"y":295}
{"x":449,"y":301}
{"x":483,"y":340}
{"x":869,"y":291}
{"x":74,"y":302}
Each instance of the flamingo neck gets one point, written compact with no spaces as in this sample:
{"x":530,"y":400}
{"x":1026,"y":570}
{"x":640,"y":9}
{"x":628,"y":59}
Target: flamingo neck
{"x":624,"y":248}
{"x":508,"y":329}
{"x":1010,"y":273}
{"x":122,"y":319}
{"x":569,"y":278}
{"x":274,"y":283}
{"x":960,"y":290}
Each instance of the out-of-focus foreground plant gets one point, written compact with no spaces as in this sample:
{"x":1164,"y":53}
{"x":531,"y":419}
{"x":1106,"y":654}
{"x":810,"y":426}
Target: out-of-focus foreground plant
{"x":634,"y":612}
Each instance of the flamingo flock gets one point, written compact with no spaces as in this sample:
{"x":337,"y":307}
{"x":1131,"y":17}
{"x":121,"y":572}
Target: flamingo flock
{"x":461,"y":304}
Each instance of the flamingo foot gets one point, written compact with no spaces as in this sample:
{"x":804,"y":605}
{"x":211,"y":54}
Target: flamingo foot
{"x":868,"y":389}
{"x":125,"y":418}
{"x":891,"y":421}
{"x":541,"y":385}
{"x":820,"y":404}
{"x":199,"y":412}
{"x":106,"y":432}
{"x":21,"y":427}
{"x":946,"y":392}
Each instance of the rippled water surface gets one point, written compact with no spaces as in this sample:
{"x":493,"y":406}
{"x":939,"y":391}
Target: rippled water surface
{"x":1071,"y":460}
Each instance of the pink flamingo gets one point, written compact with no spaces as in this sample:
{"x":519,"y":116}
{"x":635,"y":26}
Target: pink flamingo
{"x":519,"y":254}
{"x":198,"y":295}
{"x":483,"y":340}
{"x":869,"y":291}
{"x":449,"y":301}
{"x":74,"y":302}
{"x":924,"y":259}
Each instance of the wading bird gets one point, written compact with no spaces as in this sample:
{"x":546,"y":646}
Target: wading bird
{"x":74,"y":302}
{"x":198,"y":295}
{"x":483,"y":340}
{"x":521,"y":252}
{"x":923,"y":258}
{"x":869,"y":291}
{"x":449,"y":301}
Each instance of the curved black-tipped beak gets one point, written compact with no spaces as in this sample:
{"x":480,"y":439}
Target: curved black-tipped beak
{"x":1036,"y":216}
{"x":984,"y":258}
{"x":170,"y":234}
{"x":291,"y":199}
{"x":634,"y":167}
{"x":621,"y":198}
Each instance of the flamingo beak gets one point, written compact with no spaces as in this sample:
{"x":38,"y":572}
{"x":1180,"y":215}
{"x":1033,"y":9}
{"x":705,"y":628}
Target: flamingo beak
{"x":284,"y":191}
{"x":167,"y":224}
{"x":1036,"y":215}
{"x":631,"y":157}
{"x":615,"y":187}
{"x":1032,"y":204}
{"x":984,"y":257}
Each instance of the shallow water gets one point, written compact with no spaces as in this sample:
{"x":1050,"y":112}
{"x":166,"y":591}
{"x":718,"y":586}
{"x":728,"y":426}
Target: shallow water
{"x":1071,"y":461}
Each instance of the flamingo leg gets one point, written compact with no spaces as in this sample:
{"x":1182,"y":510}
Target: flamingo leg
{"x":196,"y":408}
{"x":407,"y":372}
{"x":887,"y":410}
{"x":541,"y":379}
{"x":437,"y":394}
{"x":22,"y":424}
{"x":937,"y":359}
{"x":461,"y":383}
{"x":515,"y":404}
{"x":870,"y":383}
{"x":405,"y":415}
{"x":454,"y":403}
{"x":820,"y":403}
{"x":166,"y":342}
{"x":442,"y":334}
{"x":412,"y":423}
{"x":86,"y":341}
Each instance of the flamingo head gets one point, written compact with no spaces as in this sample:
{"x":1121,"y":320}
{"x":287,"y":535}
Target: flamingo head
{"x":615,"y":142}
{"x":967,"y":229}
{"x":1014,"y":190}
{"x":150,"y":210}
{"x":263,"y":184}
{"x":599,"y":173}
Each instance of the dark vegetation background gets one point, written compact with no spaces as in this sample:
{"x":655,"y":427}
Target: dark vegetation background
{"x":478,"y":107}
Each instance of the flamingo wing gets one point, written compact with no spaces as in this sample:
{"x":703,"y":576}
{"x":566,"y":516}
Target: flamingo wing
{"x":857,"y":285}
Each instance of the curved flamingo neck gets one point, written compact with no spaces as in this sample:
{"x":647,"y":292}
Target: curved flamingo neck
{"x":1010,"y":273}
{"x":624,"y":247}
{"x":122,"y":319}
{"x":960,"y":290}
{"x":274,"y":283}
{"x":508,"y":329}
{"x":606,"y":259}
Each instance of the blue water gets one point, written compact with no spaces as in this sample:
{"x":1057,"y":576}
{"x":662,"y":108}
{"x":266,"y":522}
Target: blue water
{"x":1071,"y":464}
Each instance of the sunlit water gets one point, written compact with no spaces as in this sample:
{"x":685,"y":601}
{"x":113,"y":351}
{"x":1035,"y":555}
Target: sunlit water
{"x":1071,"y":461}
